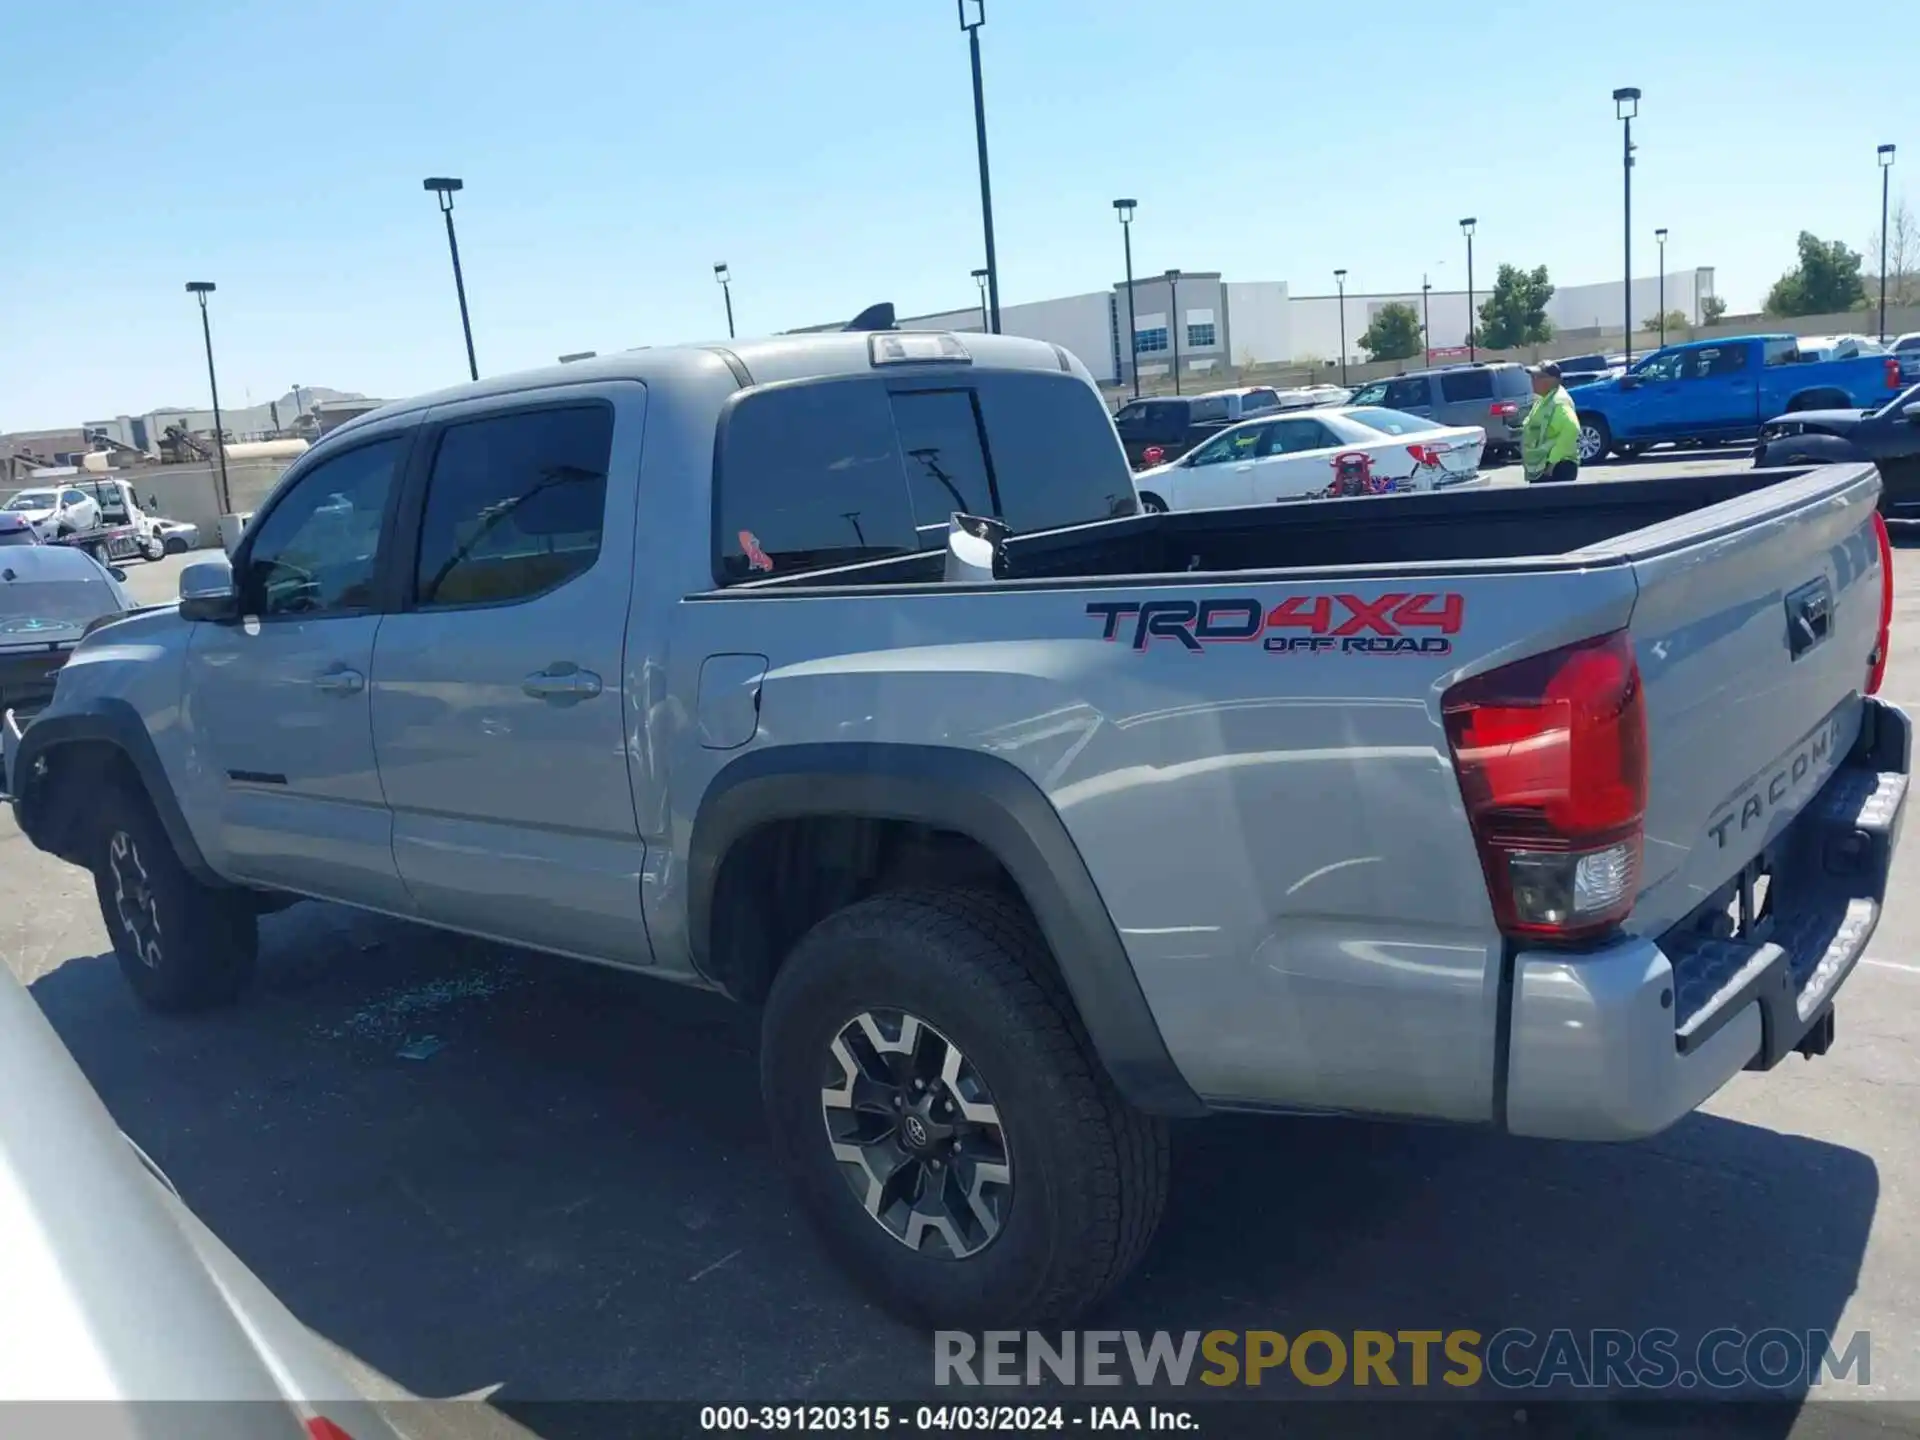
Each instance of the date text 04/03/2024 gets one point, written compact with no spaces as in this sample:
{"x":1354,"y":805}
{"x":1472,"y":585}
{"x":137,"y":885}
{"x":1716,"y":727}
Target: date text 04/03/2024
{"x":1339,"y":623}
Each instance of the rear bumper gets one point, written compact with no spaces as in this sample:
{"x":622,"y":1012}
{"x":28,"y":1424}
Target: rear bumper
{"x":1622,"y":1042}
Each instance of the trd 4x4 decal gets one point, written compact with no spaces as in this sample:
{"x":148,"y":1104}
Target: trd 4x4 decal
{"x":1339,"y":623}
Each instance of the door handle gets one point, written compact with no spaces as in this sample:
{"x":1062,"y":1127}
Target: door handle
{"x":562,"y":681}
{"x":1244,"y":465}
{"x":340,"y":681}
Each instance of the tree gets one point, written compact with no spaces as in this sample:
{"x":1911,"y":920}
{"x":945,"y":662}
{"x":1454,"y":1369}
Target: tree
{"x":1515,"y":313}
{"x":1393,"y":333}
{"x":1826,"y":280}
{"x":1903,"y":259}
{"x":1676,"y":320}
{"x":1712,"y":310}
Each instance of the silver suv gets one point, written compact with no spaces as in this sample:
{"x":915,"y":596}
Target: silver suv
{"x":1494,"y":397}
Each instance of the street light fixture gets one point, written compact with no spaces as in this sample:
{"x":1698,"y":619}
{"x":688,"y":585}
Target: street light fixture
{"x":973,"y":14}
{"x":1626,"y":105}
{"x":1124,"y":209}
{"x":1886,"y":165}
{"x":445,"y":187}
{"x":1466,"y":229}
{"x":1340,"y":279}
{"x":1173,"y":280}
{"x":200,"y":289}
{"x":980,"y":279}
{"x":725,"y":277}
{"x":1426,"y":318}
{"x":1660,"y":236}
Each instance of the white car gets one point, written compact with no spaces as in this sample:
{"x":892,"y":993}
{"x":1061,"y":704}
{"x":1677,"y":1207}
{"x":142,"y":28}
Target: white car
{"x":1837,"y":347}
{"x":56,"y":512}
{"x":1908,"y":343}
{"x":1306,"y":454}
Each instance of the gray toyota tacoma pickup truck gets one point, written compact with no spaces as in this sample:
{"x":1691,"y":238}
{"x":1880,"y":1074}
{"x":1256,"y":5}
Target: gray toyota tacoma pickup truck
{"x":841,"y":673}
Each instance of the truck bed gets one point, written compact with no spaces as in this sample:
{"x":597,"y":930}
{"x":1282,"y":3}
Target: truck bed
{"x":1531,"y":527}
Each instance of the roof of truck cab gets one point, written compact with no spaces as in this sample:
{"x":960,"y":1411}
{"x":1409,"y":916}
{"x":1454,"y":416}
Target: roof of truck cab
{"x":755,"y":362}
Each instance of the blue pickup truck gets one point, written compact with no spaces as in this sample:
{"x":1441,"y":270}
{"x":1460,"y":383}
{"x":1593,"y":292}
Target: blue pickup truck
{"x":1717,"y":390}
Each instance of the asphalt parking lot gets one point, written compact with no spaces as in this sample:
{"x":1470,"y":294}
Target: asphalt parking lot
{"x":475,"y":1167}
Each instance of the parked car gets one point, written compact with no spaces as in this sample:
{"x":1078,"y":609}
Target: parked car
{"x":49,"y":596}
{"x":1158,"y":428}
{"x":1290,"y":457}
{"x":1493,"y":397}
{"x":1314,"y":397}
{"x":1722,"y":390}
{"x":56,"y":511}
{"x":118,"y":1295}
{"x":1888,"y":437}
{"x":1814,"y":348}
{"x":177,"y":536}
{"x":1908,"y":343}
{"x":1246,"y":401}
{"x":1028,"y":830}
{"x":17,"y":530}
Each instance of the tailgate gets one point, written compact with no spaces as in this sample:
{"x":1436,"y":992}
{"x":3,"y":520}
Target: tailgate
{"x":1753,"y":628}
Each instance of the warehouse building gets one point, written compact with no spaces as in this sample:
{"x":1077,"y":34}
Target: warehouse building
{"x":1210,"y":323}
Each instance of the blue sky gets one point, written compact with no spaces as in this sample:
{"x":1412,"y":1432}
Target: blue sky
{"x":824,"y":149}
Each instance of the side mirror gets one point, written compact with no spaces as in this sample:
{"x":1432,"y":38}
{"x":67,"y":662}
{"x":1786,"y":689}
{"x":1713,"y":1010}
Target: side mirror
{"x":117,"y":573}
{"x":207,"y":592}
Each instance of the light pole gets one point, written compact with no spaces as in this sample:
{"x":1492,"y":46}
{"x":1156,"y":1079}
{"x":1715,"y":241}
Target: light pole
{"x":298,"y":408}
{"x":1340,"y":279}
{"x":1466,"y":229}
{"x":1124,"y":209}
{"x":200,"y":289}
{"x":1626,"y":105}
{"x":1886,"y":165}
{"x":445,"y":186}
{"x":725,"y":278}
{"x":1660,"y":237}
{"x":1426,"y":318}
{"x":973,"y":14}
{"x":1173,"y":281}
{"x":980,"y":279}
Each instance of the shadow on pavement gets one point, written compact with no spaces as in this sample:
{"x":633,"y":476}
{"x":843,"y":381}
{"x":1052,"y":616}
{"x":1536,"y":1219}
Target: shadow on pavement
{"x":568,"y":1193}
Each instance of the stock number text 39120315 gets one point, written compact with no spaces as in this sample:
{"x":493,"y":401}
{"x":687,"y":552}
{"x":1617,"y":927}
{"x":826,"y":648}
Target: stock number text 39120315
{"x":1395,"y":623}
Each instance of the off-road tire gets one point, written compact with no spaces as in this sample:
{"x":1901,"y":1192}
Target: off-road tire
{"x":193,"y":947}
{"x":1088,"y":1172}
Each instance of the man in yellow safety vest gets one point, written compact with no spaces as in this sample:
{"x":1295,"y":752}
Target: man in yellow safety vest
{"x":1550,"y":439}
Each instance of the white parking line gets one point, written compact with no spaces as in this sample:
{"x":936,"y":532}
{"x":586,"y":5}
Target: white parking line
{"x":1892,"y":965}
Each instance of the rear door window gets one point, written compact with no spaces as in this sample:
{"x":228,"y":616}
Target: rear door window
{"x":1716,"y":360}
{"x":1291,"y":437}
{"x":1406,"y":393}
{"x":1511,"y":383}
{"x":515,"y":506}
{"x":1213,"y":408}
{"x":1466,"y":385}
{"x":809,"y":478}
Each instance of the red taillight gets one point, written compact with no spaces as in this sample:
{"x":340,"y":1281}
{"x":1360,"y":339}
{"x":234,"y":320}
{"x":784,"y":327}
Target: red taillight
{"x":1551,"y":752}
{"x":1883,"y":642}
{"x":1504,"y":409}
{"x":1424,"y":454}
{"x":1153,"y":455}
{"x":321,"y":1428}
{"x":1893,"y":372}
